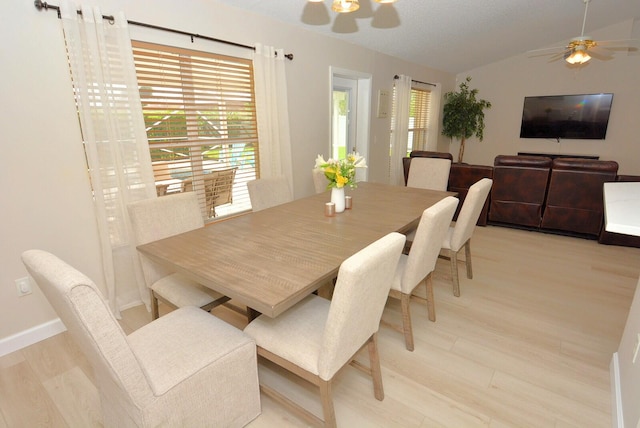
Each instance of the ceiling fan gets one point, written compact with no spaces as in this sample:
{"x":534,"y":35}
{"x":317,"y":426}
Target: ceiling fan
{"x":581,"y":49}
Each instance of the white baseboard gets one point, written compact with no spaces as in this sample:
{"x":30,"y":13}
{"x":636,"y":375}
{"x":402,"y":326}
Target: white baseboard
{"x":617,"y":420}
{"x":29,"y":337}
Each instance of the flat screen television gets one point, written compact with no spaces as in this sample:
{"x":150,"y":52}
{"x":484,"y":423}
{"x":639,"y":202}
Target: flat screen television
{"x":580,"y":117}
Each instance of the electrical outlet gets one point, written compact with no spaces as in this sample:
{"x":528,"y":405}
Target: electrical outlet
{"x":635,"y":349}
{"x":24,"y":286}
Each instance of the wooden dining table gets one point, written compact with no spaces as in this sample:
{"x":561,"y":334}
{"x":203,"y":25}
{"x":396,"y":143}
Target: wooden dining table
{"x":271,"y":259}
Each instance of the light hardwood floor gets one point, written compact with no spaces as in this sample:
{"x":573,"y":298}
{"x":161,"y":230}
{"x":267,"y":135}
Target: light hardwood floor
{"x":528,"y":344}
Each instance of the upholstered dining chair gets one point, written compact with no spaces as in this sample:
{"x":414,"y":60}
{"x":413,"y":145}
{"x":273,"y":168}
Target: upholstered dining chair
{"x":187,"y":368}
{"x":317,"y":337}
{"x":268,"y":192}
{"x":158,"y":218}
{"x":416,"y":267}
{"x":429,"y":173}
{"x":320,"y":182}
{"x":459,"y":235}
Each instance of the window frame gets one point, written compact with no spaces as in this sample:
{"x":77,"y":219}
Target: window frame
{"x":200,"y":117}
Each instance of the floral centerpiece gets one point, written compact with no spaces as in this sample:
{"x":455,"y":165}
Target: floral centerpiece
{"x":340,"y":173}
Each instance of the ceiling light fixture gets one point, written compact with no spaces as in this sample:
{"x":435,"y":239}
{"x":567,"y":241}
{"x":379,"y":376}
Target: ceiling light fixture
{"x":579,"y":55}
{"x":345,"y":6}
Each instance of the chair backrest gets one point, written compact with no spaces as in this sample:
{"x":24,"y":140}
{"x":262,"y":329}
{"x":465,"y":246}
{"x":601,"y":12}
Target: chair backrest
{"x":320,"y":182}
{"x":219,"y":190}
{"x":158,"y":218}
{"x":82,"y":309}
{"x":360,"y":294}
{"x":468,"y":217}
{"x":269,"y":192}
{"x":429,"y":173}
{"x":422,"y":257}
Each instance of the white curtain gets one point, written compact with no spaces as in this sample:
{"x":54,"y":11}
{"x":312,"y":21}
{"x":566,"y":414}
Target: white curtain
{"x":399,"y":129}
{"x":273,"y":112}
{"x":434,"y":118}
{"x":114,"y":136}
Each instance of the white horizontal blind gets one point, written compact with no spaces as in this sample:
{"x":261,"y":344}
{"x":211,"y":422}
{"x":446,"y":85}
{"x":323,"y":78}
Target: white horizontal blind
{"x":418,"y":119}
{"x":200,"y":116}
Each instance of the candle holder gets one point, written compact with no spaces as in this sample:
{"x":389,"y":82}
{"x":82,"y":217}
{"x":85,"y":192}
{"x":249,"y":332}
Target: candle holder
{"x":329,"y":209}
{"x":348,"y":202}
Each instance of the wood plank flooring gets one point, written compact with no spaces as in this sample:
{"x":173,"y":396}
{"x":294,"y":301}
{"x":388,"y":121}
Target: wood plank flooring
{"x":527,"y":344}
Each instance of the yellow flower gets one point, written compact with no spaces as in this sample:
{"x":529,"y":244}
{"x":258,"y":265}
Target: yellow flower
{"x":340,"y":180}
{"x":341,"y":172}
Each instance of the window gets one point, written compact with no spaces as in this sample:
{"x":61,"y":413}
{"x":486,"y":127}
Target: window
{"x":200,"y":117}
{"x":418,"y":119}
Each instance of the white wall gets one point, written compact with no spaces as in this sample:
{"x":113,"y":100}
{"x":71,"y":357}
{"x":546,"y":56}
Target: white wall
{"x":507,"y":82}
{"x":46,"y":195}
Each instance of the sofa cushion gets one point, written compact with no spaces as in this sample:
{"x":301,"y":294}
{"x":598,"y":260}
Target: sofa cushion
{"x":519,"y":189}
{"x":574,"y":198}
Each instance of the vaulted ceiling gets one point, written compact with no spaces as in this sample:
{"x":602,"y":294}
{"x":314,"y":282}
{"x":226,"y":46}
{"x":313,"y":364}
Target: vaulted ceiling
{"x":451,"y":35}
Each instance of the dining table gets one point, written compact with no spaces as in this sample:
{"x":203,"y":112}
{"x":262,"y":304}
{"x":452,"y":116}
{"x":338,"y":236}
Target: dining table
{"x":622,"y":207}
{"x":271,"y":259}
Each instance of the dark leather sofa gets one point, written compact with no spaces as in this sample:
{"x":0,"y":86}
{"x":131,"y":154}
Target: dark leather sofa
{"x":560,"y":195}
{"x":574,"y":196}
{"x":519,"y":189}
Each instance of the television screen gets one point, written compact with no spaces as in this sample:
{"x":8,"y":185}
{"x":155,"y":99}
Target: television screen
{"x":566,"y":116}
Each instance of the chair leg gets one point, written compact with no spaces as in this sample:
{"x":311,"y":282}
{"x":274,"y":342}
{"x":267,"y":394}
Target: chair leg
{"x":431,"y":307}
{"x":154,"y":306}
{"x":405,"y":299}
{"x":467,"y":256}
{"x":327,"y":403}
{"x":374,"y":364}
{"x":453,"y":256}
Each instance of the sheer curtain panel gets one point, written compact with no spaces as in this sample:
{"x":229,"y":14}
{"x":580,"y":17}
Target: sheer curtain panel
{"x":399,"y":128}
{"x":273,"y":113}
{"x":113,"y":132}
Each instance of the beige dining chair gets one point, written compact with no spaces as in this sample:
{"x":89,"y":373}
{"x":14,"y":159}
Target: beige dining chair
{"x":416,"y":267}
{"x":158,"y":218}
{"x":268,"y":192}
{"x":459,"y":235}
{"x":320,"y":182}
{"x":187,"y":368}
{"x":317,"y":337}
{"x":429,"y":173}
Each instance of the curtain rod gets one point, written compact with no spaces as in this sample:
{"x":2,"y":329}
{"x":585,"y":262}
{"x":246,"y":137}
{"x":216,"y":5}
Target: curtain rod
{"x":39,"y":4}
{"x":396,"y":77}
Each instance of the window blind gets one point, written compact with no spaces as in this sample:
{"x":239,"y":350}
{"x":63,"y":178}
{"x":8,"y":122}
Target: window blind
{"x":200,"y":117}
{"x":418,"y":119}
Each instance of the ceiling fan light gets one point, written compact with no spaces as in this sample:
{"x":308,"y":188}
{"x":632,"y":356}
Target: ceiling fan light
{"x":386,"y":1}
{"x":578,"y":56}
{"x":315,"y":1}
{"x":345,"y":6}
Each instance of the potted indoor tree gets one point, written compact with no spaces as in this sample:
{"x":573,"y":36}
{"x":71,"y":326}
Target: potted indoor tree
{"x":463,"y":115}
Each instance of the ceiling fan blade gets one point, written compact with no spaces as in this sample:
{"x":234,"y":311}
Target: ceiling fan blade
{"x":560,"y":55}
{"x":544,"y":51}
{"x":625,"y":43}
{"x":600,"y":52}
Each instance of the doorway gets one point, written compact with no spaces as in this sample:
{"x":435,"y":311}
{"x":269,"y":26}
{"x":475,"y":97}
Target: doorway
{"x":350,"y":113}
